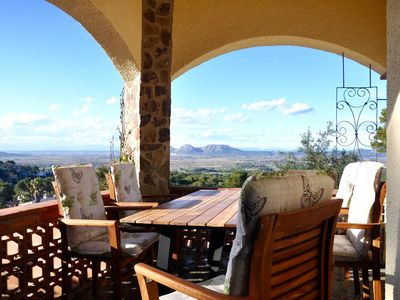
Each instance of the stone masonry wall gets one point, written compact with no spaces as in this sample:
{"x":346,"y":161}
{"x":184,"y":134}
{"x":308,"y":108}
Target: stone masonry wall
{"x":147,"y":114}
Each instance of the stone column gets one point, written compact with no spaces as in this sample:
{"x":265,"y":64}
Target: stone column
{"x":392,"y":288}
{"x":147,"y":100}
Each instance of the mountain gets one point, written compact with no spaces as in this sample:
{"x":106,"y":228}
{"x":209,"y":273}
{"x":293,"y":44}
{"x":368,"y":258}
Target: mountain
{"x":186,"y":150}
{"x":7,"y":154}
{"x":221,"y":149}
{"x":209,"y":150}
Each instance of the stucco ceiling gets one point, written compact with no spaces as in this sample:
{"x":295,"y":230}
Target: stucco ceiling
{"x":208,"y":28}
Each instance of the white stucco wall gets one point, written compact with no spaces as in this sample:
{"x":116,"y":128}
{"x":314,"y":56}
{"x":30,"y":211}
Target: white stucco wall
{"x":393,"y":152}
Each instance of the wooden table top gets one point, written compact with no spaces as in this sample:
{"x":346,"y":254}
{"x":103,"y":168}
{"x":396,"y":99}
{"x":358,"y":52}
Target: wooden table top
{"x":204,"y":208}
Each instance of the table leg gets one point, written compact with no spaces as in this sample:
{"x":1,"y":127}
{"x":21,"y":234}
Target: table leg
{"x":217,"y":237}
{"x":163,"y":252}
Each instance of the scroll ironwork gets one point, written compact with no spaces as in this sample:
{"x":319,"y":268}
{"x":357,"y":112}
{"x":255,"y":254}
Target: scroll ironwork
{"x":356,"y":117}
{"x":357,"y":109}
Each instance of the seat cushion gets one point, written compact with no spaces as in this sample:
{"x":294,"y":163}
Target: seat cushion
{"x":80,"y":199}
{"x":131,"y":243}
{"x":215,"y":284}
{"x":343,"y":249}
{"x":262,"y":196}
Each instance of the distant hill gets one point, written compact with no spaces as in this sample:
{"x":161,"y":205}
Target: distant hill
{"x":215,"y":150}
{"x":7,"y":154}
{"x":221,"y":149}
{"x":187,"y":150}
{"x":210,"y":150}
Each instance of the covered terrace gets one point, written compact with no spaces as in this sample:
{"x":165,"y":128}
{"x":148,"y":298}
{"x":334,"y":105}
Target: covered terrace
{"x":151,"y":42}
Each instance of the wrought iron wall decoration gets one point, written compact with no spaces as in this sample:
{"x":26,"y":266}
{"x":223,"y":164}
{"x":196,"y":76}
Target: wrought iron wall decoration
{"x":357,"y":110}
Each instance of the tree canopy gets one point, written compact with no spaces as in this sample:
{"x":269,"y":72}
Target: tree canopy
{"x":379,"y":142}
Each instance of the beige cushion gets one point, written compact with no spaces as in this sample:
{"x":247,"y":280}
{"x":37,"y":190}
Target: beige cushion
{"x":131,"y":243}
{"x":346,"y":184}
{"x":215,"y":284}
{"x":264,"y":196}
{"x":343,"y":249}
{"x":80,"y":199}
{"x":362,"y":199}
{"x":301,"y":172}
{"x":126,"y":183}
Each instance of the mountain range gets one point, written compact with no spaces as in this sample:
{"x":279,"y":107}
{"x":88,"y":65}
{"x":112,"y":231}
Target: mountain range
{"x":215,"y":150}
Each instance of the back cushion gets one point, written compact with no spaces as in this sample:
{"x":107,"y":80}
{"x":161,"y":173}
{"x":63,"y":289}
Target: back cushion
{"x":363,"y":197}
{"x":347,"y":182}
{"x":80,"y":199}
{"x":266,"y":196}
{"x":126,"y":183}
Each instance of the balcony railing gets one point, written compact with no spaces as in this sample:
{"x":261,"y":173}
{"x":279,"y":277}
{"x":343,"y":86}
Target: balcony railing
{"x":30,"y":252}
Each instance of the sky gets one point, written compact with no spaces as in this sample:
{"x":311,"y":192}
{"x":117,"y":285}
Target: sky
{"x":60,"y":91}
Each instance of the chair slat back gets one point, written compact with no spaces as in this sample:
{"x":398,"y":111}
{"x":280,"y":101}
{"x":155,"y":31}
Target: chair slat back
{"x":293,"y":254}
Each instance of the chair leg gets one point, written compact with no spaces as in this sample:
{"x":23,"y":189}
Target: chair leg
{"x":116,"y":278}
{"x":356,"y":278}
{"x":365,"y":281}
{"x":376,"y":283}
{"x":95,"y":276}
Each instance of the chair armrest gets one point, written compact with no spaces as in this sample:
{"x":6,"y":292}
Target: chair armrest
{"x":344,"y":211}
{"x":112,"y":225}
{"x":87,"y":222}
{"x":145,"y":272}
{"x":346,"y":225}
{"x":131,"y":205}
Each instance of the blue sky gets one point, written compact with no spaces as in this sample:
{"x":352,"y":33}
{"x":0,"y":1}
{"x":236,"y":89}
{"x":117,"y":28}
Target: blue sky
{"x":59,"y":90}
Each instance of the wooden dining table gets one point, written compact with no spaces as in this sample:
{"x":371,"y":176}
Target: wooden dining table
{"x":213,"y":210}
{"x":201,"y":209}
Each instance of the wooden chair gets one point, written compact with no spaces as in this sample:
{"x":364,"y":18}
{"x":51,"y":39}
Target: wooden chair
{"x":291,"y":257}
{"x":86,"y":233}
{"x":359,"y":247}
{"x":123,"y":185}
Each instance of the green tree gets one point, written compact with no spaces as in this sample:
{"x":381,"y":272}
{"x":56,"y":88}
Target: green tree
{"x":32,"y":189}
{"x":235,"y":179}
{"x":6,"y":193}
{"x":379,"y":142}
{"x":22,"y":192}
{"x":290,"y":163}
{"x":318,"y":154}
{"x":101,"y":171}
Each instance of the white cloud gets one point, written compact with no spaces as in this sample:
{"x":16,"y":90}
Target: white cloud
{"x":201,"y":115}
{"x":112,"y":100}
{"x":87,"y":103}
{"x":54,"y":107}
{"x":20,"y":120}
{"x":265,"y":105}
{"x":42,"y":132}
{"x":236,"y":118}
{"x":297,"y":109}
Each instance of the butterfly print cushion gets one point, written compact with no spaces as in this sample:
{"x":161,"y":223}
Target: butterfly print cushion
{"x":81,"y":199}
{"x":261,"y":196}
